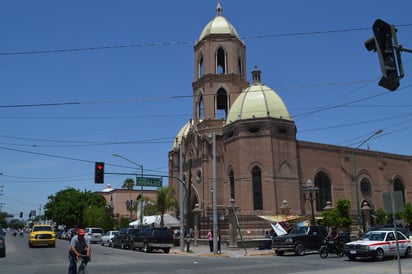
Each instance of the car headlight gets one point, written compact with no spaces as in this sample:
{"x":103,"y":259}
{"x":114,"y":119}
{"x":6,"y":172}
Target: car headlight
{"x":364,"y":247}
{"x":289,"y":241}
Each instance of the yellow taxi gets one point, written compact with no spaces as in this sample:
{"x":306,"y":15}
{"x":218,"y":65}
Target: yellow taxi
{"x":42,"y":234}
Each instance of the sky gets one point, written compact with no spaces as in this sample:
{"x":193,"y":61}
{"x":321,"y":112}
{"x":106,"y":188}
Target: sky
{"x":83,"y":80}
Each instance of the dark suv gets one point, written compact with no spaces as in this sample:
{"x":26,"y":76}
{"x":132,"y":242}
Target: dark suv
{"x":150,"y":238}
{"x":124,"y":238}
{"x":301,"y":238}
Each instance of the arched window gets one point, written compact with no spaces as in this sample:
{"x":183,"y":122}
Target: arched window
{"x":324,"y":195}
{"x":239,"y":66}
{"x":366,"y":188}
{"x":201,"y":67}
{"x":221,"y":104}
{"x":220,"y":61}
{"x":232,"y":184}
{"x":257,"y":189}
{"x":200,"y":107}
{"x":398,"y":186}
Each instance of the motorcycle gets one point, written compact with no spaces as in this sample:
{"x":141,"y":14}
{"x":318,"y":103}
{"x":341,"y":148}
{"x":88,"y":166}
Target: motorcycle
{"x":329,"y":246}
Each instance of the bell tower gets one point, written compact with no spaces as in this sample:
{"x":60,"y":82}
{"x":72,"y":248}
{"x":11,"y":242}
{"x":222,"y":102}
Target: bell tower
{"x":220,"y":72}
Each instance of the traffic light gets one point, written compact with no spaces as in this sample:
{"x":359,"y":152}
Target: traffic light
{"x":382,"y":43}
{"x":21,"y":214}
{"x":99,"y":173}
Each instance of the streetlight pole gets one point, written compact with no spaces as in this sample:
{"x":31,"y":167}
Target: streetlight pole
{"x":310,"y":190}
{"x":141,"y":190}
{"x":355,"y":176}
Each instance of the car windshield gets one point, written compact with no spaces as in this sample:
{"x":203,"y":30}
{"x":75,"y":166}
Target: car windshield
{"x":373,"y":236}
{"x":298,"y":230}
{"x":42,"y":228}
{"x":96,"y":230}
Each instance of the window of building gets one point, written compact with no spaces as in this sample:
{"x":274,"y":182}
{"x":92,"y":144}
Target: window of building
{"x":200,"y":107}
{"x":398,"y":186}
{"x":220,"y":61}
{"x":232,"y":184}
{"x":201,"y":67}
{"x":366,"y":188}
{"x":257,"y":189}
{"x":222,"y":104}
{"x":324,"y":195}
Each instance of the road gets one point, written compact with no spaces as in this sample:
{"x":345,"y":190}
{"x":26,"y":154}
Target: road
{"x":22,"y":259}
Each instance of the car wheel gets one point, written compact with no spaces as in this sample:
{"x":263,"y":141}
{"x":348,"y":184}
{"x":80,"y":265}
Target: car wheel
{"x":352,"y":258}
{"x":146,"y":248}
{"x":300,"y":250}
{"x":408,"y":252}
{"x":279,"y":253}
{"x":166,"y":250}
{"x":379,"y":254}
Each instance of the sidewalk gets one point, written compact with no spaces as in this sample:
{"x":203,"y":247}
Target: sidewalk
{"x":234,"y":252}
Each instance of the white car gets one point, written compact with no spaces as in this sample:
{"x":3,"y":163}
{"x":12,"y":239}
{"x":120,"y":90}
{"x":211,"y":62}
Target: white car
{"x":107,"y":238}
{"x":378,"y":244}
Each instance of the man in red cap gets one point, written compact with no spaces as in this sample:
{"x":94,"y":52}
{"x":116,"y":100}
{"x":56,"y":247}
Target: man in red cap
{"x":79,"y":246}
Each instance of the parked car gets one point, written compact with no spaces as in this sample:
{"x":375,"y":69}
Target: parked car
{"x":300,"y":239}
{"x":378,"y":244}
{"x":2,"y":245}
{"x":107,"y":238}
{"x":150,"y":238}
{"x":70,"y":234}
{"x":42,"y":234}
{"x":124,"y":238}
{"x":95,"y":234}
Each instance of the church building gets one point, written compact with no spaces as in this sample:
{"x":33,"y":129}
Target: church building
{"x":242,"y":140}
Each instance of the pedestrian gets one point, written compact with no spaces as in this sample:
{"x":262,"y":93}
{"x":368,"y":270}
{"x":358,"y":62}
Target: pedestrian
{"x":210,"y":238}
{"x":218,"y":243}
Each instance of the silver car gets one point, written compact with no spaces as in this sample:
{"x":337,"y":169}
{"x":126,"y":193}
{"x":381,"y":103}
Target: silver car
{"x":95,"y":234}
{"x":107,"y":238}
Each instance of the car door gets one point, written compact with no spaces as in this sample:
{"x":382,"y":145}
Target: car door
{"x":390,"y":248}
{"x":313,"y":238}
{"x":402,"y":240}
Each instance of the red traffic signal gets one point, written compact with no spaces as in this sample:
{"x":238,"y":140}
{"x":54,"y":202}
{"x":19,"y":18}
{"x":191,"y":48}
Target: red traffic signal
{"x":99,"y":173}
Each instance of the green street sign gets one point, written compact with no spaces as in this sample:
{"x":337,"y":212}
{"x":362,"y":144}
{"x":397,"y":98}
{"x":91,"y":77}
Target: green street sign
{"x":147,"y":181}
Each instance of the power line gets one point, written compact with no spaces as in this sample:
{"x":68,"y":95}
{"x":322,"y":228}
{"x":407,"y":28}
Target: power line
{"x":175,"y":43}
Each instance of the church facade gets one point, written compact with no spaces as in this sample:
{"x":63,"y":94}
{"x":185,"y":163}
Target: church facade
{"x":242,"y":140}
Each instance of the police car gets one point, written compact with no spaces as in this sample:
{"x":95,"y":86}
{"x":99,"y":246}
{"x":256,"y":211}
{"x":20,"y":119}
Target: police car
{"x":378,"y":244}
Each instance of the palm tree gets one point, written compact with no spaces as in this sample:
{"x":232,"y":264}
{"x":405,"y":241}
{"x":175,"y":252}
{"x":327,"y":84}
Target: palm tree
{"x":166,"y":199}
{"x":128,"y":184}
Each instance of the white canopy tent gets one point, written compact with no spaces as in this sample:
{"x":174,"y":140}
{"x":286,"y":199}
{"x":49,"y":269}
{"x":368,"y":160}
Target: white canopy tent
{"x":168,"y":219}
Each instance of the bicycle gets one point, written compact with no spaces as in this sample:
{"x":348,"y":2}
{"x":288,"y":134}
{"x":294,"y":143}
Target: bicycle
{"x":83,"y":264}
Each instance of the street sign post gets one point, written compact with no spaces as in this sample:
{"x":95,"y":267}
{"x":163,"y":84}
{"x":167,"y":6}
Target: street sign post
{"x":150,"y":182}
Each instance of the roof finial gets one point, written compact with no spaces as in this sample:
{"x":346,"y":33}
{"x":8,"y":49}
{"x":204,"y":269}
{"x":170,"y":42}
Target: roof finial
{"x":256,"y":75}
{"x":219,"y":9}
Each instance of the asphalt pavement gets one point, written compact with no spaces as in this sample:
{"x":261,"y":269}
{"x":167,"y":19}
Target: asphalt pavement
{"x":237,"y":252}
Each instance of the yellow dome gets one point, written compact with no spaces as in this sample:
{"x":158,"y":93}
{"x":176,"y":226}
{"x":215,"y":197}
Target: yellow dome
{"x":219,"y":25}
{"x":258,"y":101}
{"x":182,"y":133}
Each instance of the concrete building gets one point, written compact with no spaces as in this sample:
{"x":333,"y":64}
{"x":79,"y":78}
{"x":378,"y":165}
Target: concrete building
{"x":259,"y":164}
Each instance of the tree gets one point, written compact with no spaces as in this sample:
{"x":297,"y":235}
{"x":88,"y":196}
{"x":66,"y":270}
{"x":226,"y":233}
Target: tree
{"x":339,"y":216}
{"x":381,"y":217}
{"x":128,"y":183}
{"x":165,"y":201}
{"x":67,"y":206}
{"x":3,"y":222}
{"x":407,"y":214}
